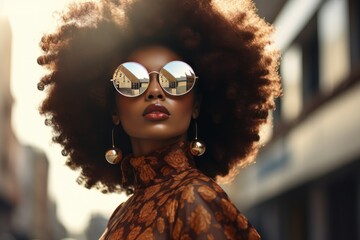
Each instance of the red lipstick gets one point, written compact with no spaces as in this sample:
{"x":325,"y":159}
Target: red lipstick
{"x":156,"y":112}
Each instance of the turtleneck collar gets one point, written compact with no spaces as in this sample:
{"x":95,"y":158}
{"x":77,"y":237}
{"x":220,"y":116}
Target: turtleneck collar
{"x":159,"y":165}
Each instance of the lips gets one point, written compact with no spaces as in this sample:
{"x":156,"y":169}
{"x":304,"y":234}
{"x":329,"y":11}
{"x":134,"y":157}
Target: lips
{"x":156,"y":112}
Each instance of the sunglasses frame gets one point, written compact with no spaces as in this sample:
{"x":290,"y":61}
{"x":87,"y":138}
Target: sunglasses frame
{"x":158,"y":73}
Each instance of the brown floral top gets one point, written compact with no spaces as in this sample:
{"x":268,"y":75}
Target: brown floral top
{"x":174,"y":200}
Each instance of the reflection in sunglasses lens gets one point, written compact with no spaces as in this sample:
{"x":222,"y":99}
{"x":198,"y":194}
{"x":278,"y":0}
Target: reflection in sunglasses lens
{"x":177,"y":78}
{"x":131,"y":79}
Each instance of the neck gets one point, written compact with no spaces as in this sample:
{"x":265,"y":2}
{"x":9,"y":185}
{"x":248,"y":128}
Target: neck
{"x":142,"y":147}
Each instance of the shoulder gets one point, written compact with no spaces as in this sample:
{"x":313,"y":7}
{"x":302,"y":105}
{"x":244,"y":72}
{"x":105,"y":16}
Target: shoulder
{"x":204,"y":209}
{"x":201,"y":192}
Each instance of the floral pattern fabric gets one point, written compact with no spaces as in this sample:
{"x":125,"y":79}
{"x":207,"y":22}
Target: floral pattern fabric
{"x":174,"y":200}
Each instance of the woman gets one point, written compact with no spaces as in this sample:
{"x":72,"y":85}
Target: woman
{"x":174,"y":93}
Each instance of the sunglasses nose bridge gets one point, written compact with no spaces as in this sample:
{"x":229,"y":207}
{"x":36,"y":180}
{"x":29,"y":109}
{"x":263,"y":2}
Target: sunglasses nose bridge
{"x":154,"y":72}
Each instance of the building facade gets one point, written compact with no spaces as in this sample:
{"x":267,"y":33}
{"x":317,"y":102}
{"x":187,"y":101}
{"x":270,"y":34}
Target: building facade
{"x":306,"y":182}
{"x":8,"y":186}
{"x":26,"y":212}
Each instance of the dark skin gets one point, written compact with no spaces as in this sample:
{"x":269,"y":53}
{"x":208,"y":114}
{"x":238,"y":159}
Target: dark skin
{"x":153,"y":132}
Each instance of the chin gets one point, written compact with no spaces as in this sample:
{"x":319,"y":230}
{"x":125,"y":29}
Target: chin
{"x":162,"y":136}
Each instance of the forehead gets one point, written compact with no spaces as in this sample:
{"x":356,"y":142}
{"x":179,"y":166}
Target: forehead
{"x":153,"y":58}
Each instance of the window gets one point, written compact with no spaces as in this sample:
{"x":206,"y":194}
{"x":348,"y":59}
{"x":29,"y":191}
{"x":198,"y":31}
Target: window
{"x":354,"y":23}
{"x":334,"y":44}
{"x":291,"y":71}
{"x":310,"y":61}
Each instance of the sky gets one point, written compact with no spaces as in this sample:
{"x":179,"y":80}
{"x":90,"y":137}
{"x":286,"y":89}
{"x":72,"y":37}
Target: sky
{"x":29,"y":20}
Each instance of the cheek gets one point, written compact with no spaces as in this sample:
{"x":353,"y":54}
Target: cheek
{"x":126,"y":109}
{"x":182,"y":109}
{"x":125,"y":104}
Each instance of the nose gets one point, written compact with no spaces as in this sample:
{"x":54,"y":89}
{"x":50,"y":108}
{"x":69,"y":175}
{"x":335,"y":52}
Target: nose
{"x":154,"y":90}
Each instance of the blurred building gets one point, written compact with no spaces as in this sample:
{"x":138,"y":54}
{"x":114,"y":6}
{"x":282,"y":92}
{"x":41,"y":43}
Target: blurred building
{"x":56,"y":229}
{"x":31,"y":213}
{"x":97,"y":225}
{"x":306,"y":182}
{"x":8,"y":184}
{"x":26,"y":211}
{"x":35,"y":215}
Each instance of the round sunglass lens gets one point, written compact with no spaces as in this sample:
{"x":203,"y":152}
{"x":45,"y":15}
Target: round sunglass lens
{"x":131,"y":79}
{"x":177,"y":78}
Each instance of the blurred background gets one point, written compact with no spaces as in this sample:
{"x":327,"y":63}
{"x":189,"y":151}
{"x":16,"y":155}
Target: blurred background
{"x":304,"y":185}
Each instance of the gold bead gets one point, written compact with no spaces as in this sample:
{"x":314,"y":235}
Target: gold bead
{"x":197,"y":147}
{"x":113,"y":155}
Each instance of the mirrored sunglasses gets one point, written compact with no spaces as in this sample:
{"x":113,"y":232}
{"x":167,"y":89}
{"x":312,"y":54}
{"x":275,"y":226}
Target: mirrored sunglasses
{"x":176,"y":78}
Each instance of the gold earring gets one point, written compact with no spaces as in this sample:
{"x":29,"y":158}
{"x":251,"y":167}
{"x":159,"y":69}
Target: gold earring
{"x":113,"y":155}
{"x":197,"y":147}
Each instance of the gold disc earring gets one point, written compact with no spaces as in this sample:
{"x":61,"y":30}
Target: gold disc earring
{"x":197,"y":147}
{"x":113,"y":155}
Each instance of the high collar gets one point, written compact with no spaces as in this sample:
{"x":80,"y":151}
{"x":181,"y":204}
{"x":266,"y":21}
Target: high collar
{"x":159,"y":165}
